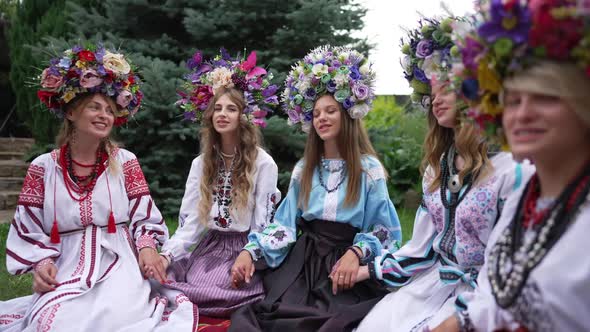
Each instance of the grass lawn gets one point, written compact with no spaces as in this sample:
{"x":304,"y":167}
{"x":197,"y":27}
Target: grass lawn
{"x":15,"y":286}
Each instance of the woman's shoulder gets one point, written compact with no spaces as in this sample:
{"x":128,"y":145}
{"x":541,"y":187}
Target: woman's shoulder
{"x":45,"y":160}
{"x":373,"y":167}
{"x":264,"y":158}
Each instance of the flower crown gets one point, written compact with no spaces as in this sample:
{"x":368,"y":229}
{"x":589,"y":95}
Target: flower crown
{"x":510,"y":37}
{"x":427,"y":56}
{"x":207,"y":77}
{"x":91,"y":69}
{"x":340,"y":71}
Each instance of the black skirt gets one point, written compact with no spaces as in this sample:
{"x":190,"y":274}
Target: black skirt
{"x":299,"y":293}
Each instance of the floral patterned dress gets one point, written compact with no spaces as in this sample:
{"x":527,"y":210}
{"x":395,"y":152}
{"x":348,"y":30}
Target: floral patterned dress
{"x":445,"y":254}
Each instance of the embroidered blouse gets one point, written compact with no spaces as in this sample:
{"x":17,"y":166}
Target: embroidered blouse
{"x":260,"y":212}
{"x":374,"y":214}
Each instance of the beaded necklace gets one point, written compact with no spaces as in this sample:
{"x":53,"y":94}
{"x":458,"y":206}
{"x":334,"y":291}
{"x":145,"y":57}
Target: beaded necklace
{"x":531,"y":235}
{"x":72,"y":181}
{"x":340,"y":169}
{"x":223,"y":196}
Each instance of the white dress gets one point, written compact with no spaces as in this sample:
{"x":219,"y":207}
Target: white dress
{"x":556,"y":294}
{"x":100,"y":285}
{"x":444,"y":256}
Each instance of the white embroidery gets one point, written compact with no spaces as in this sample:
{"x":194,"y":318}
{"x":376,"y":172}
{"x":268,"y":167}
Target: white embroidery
{"x":376,"y":173}
{"x":331,"y":200}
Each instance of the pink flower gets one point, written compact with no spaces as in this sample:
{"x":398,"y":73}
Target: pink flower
{"x":50,"y":81}
{"x":124,"y":98}
{"x":89,"y":78}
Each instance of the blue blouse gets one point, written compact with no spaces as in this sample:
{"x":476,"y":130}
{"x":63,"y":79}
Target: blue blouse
{"x":374,"y":213}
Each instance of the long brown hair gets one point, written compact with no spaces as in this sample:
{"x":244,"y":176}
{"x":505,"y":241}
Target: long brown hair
{"x":468,"y":142}
{"x":244,"y":164}
{"x":353,"y":143}
{"x":66,"y":131}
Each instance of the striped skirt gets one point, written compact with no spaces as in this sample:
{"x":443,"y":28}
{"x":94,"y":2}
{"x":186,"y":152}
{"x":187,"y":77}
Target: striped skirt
{"x":205,"y":276}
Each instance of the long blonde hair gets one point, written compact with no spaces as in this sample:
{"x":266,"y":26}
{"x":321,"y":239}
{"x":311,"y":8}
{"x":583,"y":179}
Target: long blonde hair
{"x":244,"y":163}
{"x":468,"y":142}
{"x":66,"y":131}
{"x":353,"y":143}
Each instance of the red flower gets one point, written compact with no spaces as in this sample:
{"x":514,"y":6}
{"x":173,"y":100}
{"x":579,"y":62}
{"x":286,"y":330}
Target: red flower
{"x":556,"y":36}
{"x":72,"y":73}
{"x":48,"y":98}
{"x":86,"y":56}
{"x":120,"y":121}
{"x":109,"y":77}
{"x":131,"y":79}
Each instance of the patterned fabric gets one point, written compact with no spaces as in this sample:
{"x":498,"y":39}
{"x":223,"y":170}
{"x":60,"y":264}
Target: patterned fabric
{"x":135,"y":183}
{"x":259,"y":214}
{"x":33,"y":191}
{"x":374,"y":213}
{"x":210,"y":324}
{"x":459,"y":245}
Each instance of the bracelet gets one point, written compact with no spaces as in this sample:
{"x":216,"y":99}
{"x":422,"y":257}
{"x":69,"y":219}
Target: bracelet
{"x":352,"y":248}
{"x":42,"y":263}
{"x":145,"y":241}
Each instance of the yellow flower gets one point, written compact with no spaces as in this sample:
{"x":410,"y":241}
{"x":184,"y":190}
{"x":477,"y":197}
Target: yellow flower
{"x":488,"y":79}
{"x":68,"y":96}
{"x":489,"y":105}
{"x":121,"y":112}
{"x":81,"y":64}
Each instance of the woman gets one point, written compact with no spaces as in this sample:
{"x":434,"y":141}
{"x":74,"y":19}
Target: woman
{"x":464,"y":184}
{"x":337,"y":213}
{"x":231,"y":188}
{"x":85,"y":216}
{"x":536,"y":273}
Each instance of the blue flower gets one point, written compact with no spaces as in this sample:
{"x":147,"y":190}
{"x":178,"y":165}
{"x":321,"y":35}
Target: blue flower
{"x":470,"y":88}
{"x":354,"y":73}
{"x":310,"y":94}
{"x":65,"y":63}
{"x":420,"y":76}
{"x":331,"y":86}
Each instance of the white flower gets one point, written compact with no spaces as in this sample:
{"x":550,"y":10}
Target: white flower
{"x":220,"y":77}
{"x":432,"y":64}
{"x":365,"y":69}
{"x":359,"y":110}
{"x":407,"y":64}
{"x":341,"y":80}
{"x":303,"y":85}
{"x":306,"y":127}
{"x":319,"y":69}
{"x":116,"y":63}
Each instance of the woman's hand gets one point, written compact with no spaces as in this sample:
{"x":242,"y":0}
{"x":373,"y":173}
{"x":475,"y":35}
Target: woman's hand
{"x":451,"y":324}
{"x":151,"y":265}
{"x":44,"y":278}
{"x":344,"y":273}
{"x":363,"y":274}
{"x":242,"y":270}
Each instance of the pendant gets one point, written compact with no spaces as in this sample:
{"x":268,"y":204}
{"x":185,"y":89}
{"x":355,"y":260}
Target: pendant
{"x":454,"y":184}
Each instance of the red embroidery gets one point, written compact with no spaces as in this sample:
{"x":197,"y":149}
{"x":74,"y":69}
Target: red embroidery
{"x":145,"y":241}
{"x":33,"y":192}
{"x":180,"y":298}
{"x":135,"y":183}
{"x":80,"y":268}
{"x":92,"y":257}
{"x":86,"y":210}
{"x":46,"y":319}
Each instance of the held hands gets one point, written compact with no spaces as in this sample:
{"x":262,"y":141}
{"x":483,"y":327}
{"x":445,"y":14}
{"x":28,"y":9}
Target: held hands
{"x":345,"y":271}
{"x":151,"y":265}
{"x":242,"y":270}
{"x":44,"y":279}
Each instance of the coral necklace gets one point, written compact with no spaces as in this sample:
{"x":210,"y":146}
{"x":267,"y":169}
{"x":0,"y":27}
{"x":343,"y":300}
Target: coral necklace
{"x":73,"y":181}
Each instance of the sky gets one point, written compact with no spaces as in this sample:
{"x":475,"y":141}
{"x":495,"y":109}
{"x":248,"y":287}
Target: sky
{"x":384,"y":24}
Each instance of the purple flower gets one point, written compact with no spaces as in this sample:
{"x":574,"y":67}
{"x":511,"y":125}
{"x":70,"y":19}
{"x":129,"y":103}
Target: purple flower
{"x":360,"y":91}
{"x":65,"y":63}
{"x":189,"y":116}
{"x":310,"y":94}
{"x":420,"y":76}
{"x":424,"y":48}
{"x":195,"y":61}
{"x":293,"y":116}
{"x":470,"y":52}
{"x":249,"y":98}
{"x":272,"y":100}
{"x":76,"y":49}
{"x":331,"y":86}
{"x":224,"y":54}
{"x":99,"y":54}
{"x":354,"y":73}
{"x":348,"y":103}
{"x":101,"y":71}
{"x":308,"y":116}
{"x":270,"y":90}
{"x":54,"y":71}
{"x":54,"y":61}
{"x":510,"y":20}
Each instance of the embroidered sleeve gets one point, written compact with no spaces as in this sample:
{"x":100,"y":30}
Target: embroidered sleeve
{"x":146,"y":219}
{"x":381,"y":227}
{"x":396,"y":269}
{"x":28,"y":243}
{"x":267,"y":196}
{"x":275,"y":240}
{"x":190,"y":228}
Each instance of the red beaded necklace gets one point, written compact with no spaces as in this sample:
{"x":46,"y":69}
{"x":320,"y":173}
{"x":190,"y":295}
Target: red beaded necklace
{"x":82,"y":190}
